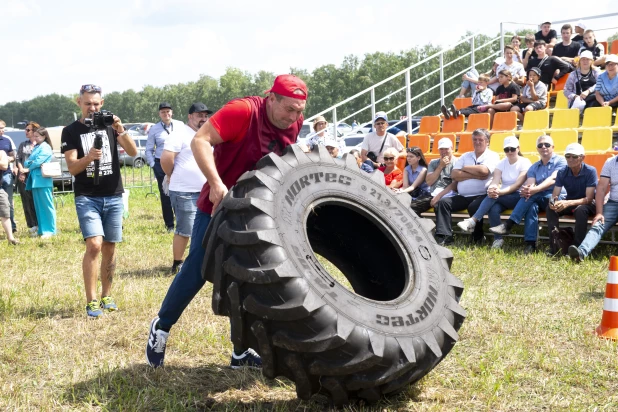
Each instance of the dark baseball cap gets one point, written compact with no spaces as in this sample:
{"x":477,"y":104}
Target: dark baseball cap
{"x":165,"y":105}
{"x":199,"y":107}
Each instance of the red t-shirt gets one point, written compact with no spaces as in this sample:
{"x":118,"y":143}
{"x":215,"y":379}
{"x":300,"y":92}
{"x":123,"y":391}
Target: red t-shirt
{"x":232,"y":121}
{"x":395,"y":174}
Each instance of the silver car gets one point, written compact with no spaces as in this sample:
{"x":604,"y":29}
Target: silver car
{"x":139,"y":160}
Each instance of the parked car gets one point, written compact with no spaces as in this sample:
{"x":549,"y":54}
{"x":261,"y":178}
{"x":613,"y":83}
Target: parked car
{"x":352,"y":142}
{"x":138,"y":160}
{"x":138,"y":129}
{"x":399,"y":124}
{"x":344,"y":128}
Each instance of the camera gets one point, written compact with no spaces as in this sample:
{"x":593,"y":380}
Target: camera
{"x":100,"y":120}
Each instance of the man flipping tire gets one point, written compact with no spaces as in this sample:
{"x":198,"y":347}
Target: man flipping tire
{"x":242,"y":132}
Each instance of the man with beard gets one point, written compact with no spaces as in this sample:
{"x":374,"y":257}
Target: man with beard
{"x":184,"y":179}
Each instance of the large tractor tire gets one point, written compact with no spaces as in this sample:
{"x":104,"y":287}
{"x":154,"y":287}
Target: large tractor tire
{"x":398,"y":323}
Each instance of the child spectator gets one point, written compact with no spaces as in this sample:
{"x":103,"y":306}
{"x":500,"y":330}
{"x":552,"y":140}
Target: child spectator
{"x":529,"y":53}
{"x":482,"y":96}
{"x":580,"y":28}
{"x":517,"y":69}
{"x":590,"y":44}
{"x":515,"y":44}
{"x":507,"y":95}
{"x":552,"y":68}
{"x":580,"y":85}
{"x":534,"y":95}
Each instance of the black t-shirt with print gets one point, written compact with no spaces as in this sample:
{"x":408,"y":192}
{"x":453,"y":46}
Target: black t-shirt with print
{"x":508,"y":91}
{"x":572,"y":50}
{"x":78,"y":136}
{"x":532,"y":54}
{"x":551,"y":35}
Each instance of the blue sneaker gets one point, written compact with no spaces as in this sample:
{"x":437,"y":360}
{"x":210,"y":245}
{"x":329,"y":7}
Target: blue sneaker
{"x":249,"y":359}
{"x":155,"y":348}
{"x":93,"y":309}
{"x":108,"y":304}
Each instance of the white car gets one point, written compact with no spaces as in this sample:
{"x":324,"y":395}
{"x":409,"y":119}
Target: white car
{"x":352,"y":142}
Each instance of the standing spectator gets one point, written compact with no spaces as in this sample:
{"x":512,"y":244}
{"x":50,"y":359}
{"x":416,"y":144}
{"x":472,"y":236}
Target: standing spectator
{"x":154,"y":148}
{"x":240,"y":132}
{"x":506,"y":96}
{"x":534,"y":96}
{"x":99,"y":207}
{"x":580,"y":86}
{"x":580,"y":28}
{"x":473,"y":172}
{"x":482,"y":96}
{"x":606,"y":213}
{"x":597,"y":49}
{"x":515,"y":44}
{"x":42,"y":187}
{"x":354,"y":123}
{"x":579,"y":180}
{"x":568,"y":49}
{"x":552,"y":68}
{"x":606,"y":89}
{"x":548,"y":35}
{"x":518,"y":73}
{"x":393,"y":177}
{"x":529,"y":53}
{"x":7,"y":145}
{"x":414,"y":178}
{"x":23,"y":152}
{"x":377,"y":142}
{"x":5,"y":211}
{"x":503,"y":191}
{"x":185,"y":179}
{"x":535,"y":193}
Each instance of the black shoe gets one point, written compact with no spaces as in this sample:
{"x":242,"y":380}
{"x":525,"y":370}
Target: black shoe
{"x":454,"y":111}
{"x":176,"y":267}
{"x":445,"y":240}
{"x":575,"y":254}
{"x":445,"y":112}
{"x":479,"y":241}
{"x":530,"y":248}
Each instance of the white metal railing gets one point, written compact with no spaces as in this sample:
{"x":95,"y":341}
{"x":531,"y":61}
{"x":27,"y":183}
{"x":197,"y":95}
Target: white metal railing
{"x":409,"y":98}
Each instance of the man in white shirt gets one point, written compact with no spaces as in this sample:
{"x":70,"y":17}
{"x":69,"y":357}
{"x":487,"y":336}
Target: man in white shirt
{"x":472,"y":174}
{"x":185,"y":179}
{"x":376,"y":142}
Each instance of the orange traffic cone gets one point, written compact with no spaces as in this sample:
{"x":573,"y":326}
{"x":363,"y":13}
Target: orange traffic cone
{"x":609,"y":322}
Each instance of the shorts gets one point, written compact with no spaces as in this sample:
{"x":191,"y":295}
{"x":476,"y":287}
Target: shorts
{"x":535,"y":106}
{"x":100,"y":216}
{"x":5,"y":208}
{"x":185,"y":208}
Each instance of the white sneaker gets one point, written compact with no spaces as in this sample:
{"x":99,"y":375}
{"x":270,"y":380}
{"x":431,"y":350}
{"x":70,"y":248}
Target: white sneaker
{"x":467,"y":225}
{"x":498,"y":243}
{"x":499,"y":230}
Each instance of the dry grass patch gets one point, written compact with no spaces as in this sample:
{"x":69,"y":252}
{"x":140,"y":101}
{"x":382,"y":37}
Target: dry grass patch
{"x":526,"y":344}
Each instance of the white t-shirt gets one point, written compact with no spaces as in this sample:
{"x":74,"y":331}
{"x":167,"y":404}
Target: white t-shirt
{"x":475,"y":187}
{"x":510,"y":172}
{"x":187,"y":176}
{"x":372,"y":143}
{"x":516,"y":69}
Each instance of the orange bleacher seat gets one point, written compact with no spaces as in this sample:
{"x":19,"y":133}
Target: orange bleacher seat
{"x":536,"y":120}
{"x":562,"y":138}
{"x":614,"y":47}
{"x":453,"y":125}
{"x":597,"y":160}
{"x":461,"y":102}
{"x":401,"y":163}
{"x":597,"y":117}
{"x":565,"y":119}
{"x":465,"y":144}
{"x":420,"y":140}
{"x":429,"y":125}
{"x":605,"y":46}
{"x":504,"y":122}
{"x":598,"y":140}
{"x":475,"y":121}
{"x":559,"y":86}
{"x":402,"y":139}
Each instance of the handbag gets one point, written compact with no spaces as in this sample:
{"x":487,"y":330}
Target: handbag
{"x":372,"y":155}
{"x":51,"y":169}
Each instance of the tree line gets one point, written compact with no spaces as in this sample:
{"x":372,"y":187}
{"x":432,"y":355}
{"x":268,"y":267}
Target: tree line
{"x":327,"y":85}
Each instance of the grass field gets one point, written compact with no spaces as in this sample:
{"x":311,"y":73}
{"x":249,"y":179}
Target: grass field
{"x":526,"y":344}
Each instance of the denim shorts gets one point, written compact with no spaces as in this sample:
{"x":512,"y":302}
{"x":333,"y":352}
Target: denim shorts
{"x":100,"y":216}
{"x":185,"y":207}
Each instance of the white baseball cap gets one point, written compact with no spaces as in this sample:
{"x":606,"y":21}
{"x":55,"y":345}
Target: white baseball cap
{"x":580,"y":23}
{"x":511,"y":141}
{"x":330,"y":142}
{"x":445,"y":143}
{"x":575,"y":148}
{"x":380,"y":115}
{"x":499,"y":60}
{"x":611,"y":58}
{"x":586,"y":54}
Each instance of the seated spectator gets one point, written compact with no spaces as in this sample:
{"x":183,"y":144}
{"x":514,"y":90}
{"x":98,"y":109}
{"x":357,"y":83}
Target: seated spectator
{"x":333,"y":148}
{"x":5,"y":210}
{"x":606,"y":214}
{"x":482,"y":96}
{"x":515,"y":44}
{"x":494,"y":82}
{"x":414,"y":176}
{"x":471,"y":175}
{"x":568,"y":49}
{"x":518,"y":73}
{"x":548,"y":35}
{"x":503,"y":191}
{"x":579,"y":180}
{"x":552,"y":68}
{"x":580,"y":86}
{"x":534,"y":95}
{"x":534,"y":194}
{"x":470,"y":79}
{"x":364,"y":166}
{"x":506,"y":96}
{"x":320,"y":133}
{"x":606,"y":89}
{"x":529,"y":53}
{"x":393,"y":177}
{"x":597,"y":49}
{"x":580,"y":28}
{"x":377,"y":142}
{"x":438,"y":177}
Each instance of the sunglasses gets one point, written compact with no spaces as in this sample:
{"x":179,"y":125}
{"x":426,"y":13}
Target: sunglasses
{"x":571,"y":156}
{"x":389,"y":158}
{"x":412,"y":151}
{"x":541,"y":145}
{"x":510,"y":149}
{"x":90,"y":88}
{"x":380,"y":123}
{"x":27,"y":130}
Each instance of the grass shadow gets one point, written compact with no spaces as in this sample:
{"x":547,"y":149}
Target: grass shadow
{"x":585,"y":296}
{"x":148,"y":272}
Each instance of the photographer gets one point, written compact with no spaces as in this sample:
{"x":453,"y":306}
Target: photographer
{"x":99,"y":206}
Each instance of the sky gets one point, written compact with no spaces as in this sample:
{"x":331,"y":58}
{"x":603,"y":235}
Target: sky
{"x":56,"y":46}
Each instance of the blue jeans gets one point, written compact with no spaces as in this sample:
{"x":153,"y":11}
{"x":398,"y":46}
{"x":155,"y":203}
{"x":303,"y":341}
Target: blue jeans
{"x":596,"y":232}
{"x":529,"y":209}
{"x":466,"y":84}
{"x":100,"y":216}
{"x":7,"y":185}
{"x":185,"y":207}
{"x":494,"y":207}
{"x":189,"y":280}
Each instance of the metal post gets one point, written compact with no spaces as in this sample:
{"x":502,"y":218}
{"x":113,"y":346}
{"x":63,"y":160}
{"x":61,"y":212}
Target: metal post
{"x":501,"y":39}
{"x":408,"y":106}
{"x":442,"y":78}
{"x":335,"y":123}
{"x":472,"y":62}
{"x":373,"y":104}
